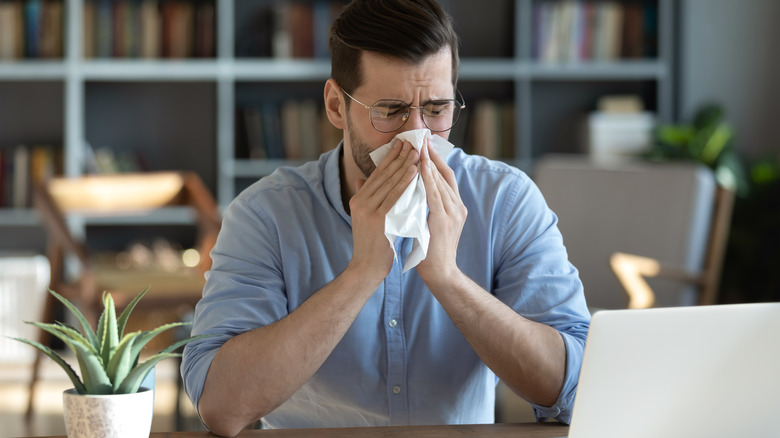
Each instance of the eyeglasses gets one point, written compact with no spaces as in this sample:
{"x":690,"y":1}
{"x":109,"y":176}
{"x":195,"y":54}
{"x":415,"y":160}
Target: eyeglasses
{"x":388,"y":115}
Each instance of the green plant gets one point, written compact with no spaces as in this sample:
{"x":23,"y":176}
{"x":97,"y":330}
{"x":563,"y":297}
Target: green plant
{"x":107,"y":357}
{"x":707,"y":140}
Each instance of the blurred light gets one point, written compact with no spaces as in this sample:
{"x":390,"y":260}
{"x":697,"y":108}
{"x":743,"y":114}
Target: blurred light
{"x":190,"y":258}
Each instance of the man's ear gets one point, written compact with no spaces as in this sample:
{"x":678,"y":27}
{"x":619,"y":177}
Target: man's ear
{"x":335,"y":105}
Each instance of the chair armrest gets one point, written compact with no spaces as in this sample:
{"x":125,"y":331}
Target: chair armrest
{"x":631,"y":271}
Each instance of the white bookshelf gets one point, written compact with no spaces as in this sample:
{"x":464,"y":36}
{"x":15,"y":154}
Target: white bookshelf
{"x":87,"y":87}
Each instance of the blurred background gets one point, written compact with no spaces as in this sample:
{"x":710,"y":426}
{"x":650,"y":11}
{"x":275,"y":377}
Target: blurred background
{"x":232,"y":89}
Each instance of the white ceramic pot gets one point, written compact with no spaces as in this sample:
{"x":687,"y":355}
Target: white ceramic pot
{"x":104,"y":416}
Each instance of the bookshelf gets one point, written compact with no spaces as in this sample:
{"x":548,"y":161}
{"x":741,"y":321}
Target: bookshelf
{"x":184,"y":110}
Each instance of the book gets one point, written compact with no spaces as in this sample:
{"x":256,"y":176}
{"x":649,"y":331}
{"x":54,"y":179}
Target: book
{"x":308,"y":116}
{"x":104,"y":44}
{"x":20,"y":190}
{"x":89,"y":18}
{"x":255,"y":135}
{"x":291,"y":130}
{"x":7,"y":30}
{"x":32,"y":28}
{"x":150,"y":35}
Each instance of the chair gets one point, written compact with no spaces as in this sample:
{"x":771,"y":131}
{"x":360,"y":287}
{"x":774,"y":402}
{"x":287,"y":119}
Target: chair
{"x":632,"y":219}
{"x":62,"y":200}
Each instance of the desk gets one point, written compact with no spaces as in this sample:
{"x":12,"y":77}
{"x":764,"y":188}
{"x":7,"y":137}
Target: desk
{"x":523,"y":430}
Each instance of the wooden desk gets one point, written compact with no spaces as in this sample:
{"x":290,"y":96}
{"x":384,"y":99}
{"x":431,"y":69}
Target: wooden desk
{"x":523,"y":430}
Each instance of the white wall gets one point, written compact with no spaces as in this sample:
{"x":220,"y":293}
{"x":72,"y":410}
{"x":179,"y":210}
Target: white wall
{"x":731,"y":55}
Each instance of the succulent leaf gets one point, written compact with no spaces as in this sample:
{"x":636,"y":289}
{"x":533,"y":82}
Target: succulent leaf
{"x":92,"y":371}
{"x":147,"y":336}
{"x":122,"y":361}
{"x":133,"y":380}
{"x":122,"y":320}
{"x":90,"y":334}
{"x":110,"y":338}
{"x":60,"y":361}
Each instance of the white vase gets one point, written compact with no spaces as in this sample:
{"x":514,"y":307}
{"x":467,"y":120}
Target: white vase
{"x":105,"y":416}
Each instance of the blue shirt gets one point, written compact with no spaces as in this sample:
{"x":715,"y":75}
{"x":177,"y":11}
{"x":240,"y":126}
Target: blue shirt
{"x":403,"y":361}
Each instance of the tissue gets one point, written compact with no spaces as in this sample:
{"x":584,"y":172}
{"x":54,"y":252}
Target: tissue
{"x":409,"y":216}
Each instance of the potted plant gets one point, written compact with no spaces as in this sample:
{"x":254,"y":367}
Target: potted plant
{"x":108,"y":399}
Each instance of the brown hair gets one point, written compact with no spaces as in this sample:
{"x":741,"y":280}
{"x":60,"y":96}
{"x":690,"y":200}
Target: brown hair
{"x":409,"y":30}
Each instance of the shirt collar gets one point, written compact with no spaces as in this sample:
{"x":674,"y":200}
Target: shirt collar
{"x":331,"y":176}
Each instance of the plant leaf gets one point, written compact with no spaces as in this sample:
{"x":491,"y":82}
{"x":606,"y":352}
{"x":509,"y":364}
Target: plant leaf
{"x":60,"y":361}
{"x":133,"y":380}
{"x":149,"y":335}
{"x":95,"y":378}
{"x":122,"y":321}
{"x":101,"y":326}
{"x":122,"y":361}
{"x":110,"y":338}
{"x":88,"y":332}
{"x":65,"y":334}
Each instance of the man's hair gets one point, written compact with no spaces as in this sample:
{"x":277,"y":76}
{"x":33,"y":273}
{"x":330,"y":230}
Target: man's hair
{"x":409,"y":30}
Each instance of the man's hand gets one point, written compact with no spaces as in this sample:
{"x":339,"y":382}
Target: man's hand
{"x":446,"y":218}
{"x":375,"y":196}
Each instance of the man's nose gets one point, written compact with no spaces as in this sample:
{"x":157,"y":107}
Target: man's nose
{"x":415,"y":120}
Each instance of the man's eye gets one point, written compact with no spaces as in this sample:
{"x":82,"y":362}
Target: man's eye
{"x":436,"y":110}
{"x":388,"y":112}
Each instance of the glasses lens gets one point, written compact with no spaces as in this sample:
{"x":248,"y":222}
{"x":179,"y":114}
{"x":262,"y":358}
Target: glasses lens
{"x":441,"y":115}
{"x":389,"y":115}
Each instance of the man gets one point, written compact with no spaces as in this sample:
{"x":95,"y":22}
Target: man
{"x":318,"y":325}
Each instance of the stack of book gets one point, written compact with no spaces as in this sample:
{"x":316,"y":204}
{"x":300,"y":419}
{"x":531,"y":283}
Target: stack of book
{"x":21,"y":167}
{"x":292,"y":130}
{"x":619,"y":128}
{"x":149,"y":29}
{"x":288,"y":29}
{"x":579,"y":31}
{"x":31,"y":29}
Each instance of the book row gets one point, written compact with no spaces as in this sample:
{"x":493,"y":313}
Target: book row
{"x":577,"y":30}
{"x":149,"y":29}
{"x":287,"y":29}
{"x":292,"y":130}
{"x":23,"y":166}
{"x":31,"y":29}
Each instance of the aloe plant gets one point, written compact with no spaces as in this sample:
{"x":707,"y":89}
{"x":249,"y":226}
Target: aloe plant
{"x":107,"y":357}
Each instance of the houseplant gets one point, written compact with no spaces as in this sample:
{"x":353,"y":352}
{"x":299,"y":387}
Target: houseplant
{"x":108,"y":398}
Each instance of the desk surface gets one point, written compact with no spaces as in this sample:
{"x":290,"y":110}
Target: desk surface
{"x":524,"y":430}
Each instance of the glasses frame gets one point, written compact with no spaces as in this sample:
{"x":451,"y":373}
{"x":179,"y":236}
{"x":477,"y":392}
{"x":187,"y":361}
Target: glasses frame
{"x":409,"y":107}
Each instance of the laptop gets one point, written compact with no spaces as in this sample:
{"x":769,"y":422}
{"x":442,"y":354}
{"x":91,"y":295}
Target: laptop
{"x":706,"y":371}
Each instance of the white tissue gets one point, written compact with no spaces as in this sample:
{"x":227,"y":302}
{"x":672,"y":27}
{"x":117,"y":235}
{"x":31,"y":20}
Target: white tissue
{"x":408,"y":217}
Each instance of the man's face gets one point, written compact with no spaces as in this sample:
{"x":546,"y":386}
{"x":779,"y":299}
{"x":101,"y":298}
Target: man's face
{"x":390,"y":78}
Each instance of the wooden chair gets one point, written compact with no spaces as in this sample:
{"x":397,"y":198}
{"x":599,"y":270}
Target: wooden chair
{"x":120,"y":195}
{"x":668,"y":221}
{"x":632,"y":270}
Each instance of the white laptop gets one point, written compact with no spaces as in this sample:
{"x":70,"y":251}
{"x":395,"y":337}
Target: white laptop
{"x":709,"y":371}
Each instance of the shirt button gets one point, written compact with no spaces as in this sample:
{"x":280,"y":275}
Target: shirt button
{"x":392,"y":323}
{"x":396,"y":389}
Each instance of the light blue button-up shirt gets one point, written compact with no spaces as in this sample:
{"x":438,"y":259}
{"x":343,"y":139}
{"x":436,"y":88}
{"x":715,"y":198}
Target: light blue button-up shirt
{"x":402,"y":361}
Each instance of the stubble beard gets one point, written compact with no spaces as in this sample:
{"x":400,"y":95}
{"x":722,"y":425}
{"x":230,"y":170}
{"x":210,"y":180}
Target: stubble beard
{"x":360,"y":152}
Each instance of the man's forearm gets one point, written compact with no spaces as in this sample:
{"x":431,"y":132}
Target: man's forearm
{"x":528,"y":356}
{"x":255,"y":372}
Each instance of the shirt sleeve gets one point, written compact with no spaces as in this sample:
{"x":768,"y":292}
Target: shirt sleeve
{"x":244,"y":290}
{"x":535,"y":278}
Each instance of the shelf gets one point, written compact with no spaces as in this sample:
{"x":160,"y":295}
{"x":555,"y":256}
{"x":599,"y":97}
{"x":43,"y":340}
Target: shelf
{"x":32,"y":70}
{"x":27,"y":217}
{"x":152,"y":70}
{"x":258,"y":168}
{"x":280,"y":70}
{"x":622,"y":70}
{"x":19,"y":217}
